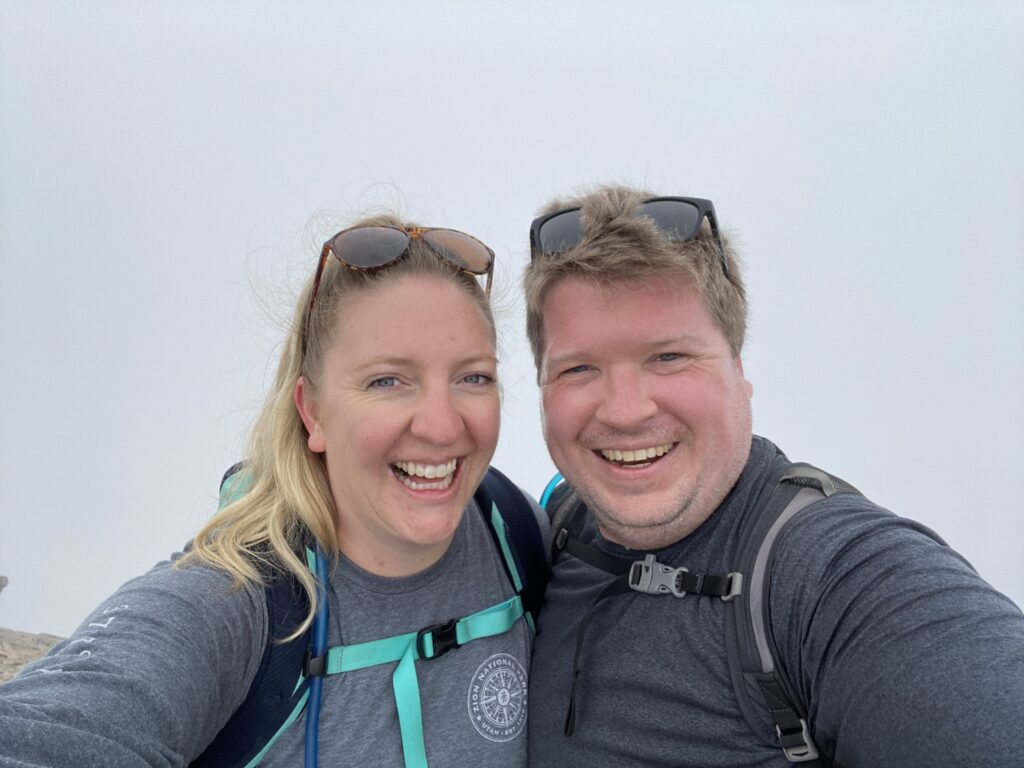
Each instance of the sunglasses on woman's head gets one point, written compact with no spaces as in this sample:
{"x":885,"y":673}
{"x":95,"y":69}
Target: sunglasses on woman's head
{"x":679,"y":218}
{"x":368,"y":248}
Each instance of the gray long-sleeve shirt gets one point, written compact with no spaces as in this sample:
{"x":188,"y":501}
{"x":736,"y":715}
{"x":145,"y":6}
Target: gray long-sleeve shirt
{"x":154,"y":673}
{"x":907,"y":658}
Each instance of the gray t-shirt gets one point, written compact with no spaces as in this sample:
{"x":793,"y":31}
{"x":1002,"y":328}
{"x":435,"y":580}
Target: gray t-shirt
{"x":151,"y":677}
{"x":906,"y":656}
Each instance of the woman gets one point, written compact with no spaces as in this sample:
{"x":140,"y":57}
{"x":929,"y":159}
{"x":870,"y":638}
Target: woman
{"x":379,"y":428}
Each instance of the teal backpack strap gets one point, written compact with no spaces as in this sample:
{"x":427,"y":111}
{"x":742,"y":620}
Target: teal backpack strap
{"x":512,"y":521}
{"x":428,"y":643}
{"x":520,"y":535}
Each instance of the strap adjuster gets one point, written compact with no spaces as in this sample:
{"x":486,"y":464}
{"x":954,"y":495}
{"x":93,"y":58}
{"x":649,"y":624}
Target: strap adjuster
{"x":314,"y":666}
{"x":654,"y":578}
{"x":443,"y":639}
{"x":735,"y":587}
{"x":560,"y":538}
{"x":798,"y":746}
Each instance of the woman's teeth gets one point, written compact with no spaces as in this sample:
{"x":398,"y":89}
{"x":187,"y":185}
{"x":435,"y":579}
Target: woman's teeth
{"x":441,"y":475}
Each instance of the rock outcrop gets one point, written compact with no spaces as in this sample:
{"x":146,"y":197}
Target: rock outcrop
{"x":19,"y":648}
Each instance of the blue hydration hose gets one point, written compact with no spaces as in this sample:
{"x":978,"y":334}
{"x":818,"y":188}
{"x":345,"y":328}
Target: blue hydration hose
{"x":319,"y":648}
{"x":549,"y":489}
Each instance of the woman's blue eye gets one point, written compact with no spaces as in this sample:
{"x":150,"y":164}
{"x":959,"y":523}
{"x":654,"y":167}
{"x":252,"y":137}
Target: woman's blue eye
{"x":384,"y":382}
{"x":478,"y":378}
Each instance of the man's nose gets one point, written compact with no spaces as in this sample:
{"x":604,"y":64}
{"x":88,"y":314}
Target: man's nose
{"x":626,"y":400}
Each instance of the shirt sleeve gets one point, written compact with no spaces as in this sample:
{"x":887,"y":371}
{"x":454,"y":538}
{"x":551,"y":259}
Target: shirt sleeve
{"x":904,"y":654}
{"x":147,"y":680}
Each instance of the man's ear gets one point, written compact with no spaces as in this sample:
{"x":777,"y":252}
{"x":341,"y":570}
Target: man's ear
{"x":306,"y":405}
{"x":746,"y":384}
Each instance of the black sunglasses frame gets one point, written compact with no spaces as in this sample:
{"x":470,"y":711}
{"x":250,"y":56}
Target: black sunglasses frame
{"x":705,"y":210}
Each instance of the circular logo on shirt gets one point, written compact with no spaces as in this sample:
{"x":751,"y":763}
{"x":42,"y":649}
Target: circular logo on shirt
{"x":497,"y":698}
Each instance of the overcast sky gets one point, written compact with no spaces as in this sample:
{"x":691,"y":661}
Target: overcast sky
{"x":169,"y":169}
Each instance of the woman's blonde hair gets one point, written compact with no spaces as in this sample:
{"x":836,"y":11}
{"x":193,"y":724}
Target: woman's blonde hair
{"x":289,"y":504}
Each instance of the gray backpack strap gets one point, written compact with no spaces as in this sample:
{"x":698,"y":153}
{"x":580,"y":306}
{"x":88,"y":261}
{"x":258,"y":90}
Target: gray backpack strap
{"x":769,"y":701}
{"x":564,"y":509}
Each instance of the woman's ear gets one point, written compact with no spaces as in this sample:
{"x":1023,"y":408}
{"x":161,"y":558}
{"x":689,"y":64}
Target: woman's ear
{"x":306,"y":405}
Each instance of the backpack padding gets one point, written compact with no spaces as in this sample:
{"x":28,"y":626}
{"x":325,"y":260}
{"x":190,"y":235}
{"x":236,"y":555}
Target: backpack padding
{"x":273,"y":694}
{"x":524,"y":533}
{"x":764,"y":691}
{"x":740,"y":640}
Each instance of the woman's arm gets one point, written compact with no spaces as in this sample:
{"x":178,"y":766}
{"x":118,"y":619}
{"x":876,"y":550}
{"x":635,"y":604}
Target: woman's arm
{"x":147,"y":680}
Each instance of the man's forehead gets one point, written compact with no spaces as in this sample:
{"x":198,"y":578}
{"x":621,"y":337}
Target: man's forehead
{"x":610,"y":291}
{"x":646,"y":315}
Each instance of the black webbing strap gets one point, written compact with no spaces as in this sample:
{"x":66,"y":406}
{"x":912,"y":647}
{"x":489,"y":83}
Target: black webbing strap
{"x":647,"y":576}
{"x":792,"y":731}
{"x":614,"y":587}
{"x":654,"y":578}
{"x":617,"y":566}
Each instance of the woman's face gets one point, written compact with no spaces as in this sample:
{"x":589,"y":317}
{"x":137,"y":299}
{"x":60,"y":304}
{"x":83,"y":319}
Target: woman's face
{"x":406,"y":412}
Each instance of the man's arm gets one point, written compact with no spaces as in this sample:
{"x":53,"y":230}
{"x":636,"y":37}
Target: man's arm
{"x":905,"y":656}
{"x":147,"y":680}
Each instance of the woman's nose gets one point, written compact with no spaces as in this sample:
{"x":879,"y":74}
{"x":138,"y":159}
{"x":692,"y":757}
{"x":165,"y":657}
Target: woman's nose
{"x":437,"y":419}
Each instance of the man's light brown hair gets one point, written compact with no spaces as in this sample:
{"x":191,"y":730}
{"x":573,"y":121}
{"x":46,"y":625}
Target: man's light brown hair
{"x":616,"y":245}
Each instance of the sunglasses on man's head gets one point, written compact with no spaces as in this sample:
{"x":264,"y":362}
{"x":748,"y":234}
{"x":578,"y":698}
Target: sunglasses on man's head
{"x":368,"y":248}
{"x":679,"y":218}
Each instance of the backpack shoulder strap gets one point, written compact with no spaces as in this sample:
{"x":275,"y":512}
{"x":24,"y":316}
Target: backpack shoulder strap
{"x":278,"y":690}
{"x":769,"y":701}
{"x":520,"y":535}
{"x":566,"y":511}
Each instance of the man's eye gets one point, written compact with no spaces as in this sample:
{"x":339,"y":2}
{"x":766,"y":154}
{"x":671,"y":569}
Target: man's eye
{"x":384,"y":382}
{"x":668,"y":357}
{"x":576,"y":369}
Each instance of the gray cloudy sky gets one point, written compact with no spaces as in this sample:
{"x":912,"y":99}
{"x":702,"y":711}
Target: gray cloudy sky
{"x":168,"y":169}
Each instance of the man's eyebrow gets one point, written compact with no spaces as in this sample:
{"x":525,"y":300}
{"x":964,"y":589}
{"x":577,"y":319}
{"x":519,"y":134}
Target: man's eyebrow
{"x":685,"y":339}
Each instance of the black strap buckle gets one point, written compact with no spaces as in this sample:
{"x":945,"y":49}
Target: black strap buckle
{"x":443,"y":639}
{"x":314,"y":666}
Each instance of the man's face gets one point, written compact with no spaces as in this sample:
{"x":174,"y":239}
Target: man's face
{"x":646,"y":411}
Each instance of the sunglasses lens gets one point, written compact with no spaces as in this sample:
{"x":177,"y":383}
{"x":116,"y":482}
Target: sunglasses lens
{"x":369,"y":247}
{"x":676,"y":218}
{"x":462,"y":250}
{"x":560,"y":233}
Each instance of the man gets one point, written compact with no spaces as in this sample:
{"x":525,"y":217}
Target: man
{"x":895,"y":651}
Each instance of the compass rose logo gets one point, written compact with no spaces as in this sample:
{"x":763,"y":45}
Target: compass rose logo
{"x":497,"y":698}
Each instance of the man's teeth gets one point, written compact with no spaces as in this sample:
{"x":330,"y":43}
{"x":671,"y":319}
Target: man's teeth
{"x":637,"y":455}
{"x":441,"y":475}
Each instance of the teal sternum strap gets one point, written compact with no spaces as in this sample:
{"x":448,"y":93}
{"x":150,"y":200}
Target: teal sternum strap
{"x":426,"y":644}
